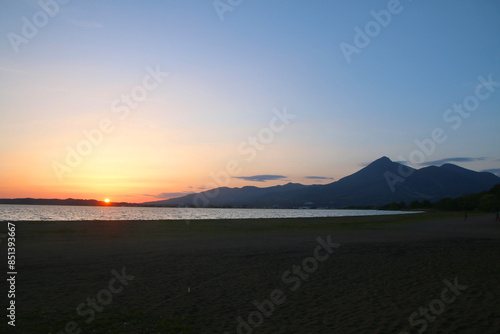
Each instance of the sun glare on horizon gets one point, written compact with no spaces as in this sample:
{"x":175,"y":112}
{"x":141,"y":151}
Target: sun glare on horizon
{"x":107,"y":200}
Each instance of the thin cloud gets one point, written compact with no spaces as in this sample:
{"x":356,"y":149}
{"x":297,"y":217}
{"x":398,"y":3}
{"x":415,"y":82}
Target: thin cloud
{"x":319,"y":178}
{"x":200,"y":188}
{"x":169,"y":195}
{"x":86,"y":24}
{"x":448,"y":160}
{"x":261,"y":178}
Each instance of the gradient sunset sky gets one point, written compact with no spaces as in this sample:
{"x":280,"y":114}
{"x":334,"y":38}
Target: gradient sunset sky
{"x":233,"y":72}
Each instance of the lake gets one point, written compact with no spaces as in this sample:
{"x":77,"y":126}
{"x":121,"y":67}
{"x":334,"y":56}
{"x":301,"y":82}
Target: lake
{"x":78,"y":213}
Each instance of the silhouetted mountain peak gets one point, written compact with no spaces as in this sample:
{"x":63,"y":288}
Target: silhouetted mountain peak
{"x":381,"y":163}
{"x":382,"y":160}
{"x":378,"y":165}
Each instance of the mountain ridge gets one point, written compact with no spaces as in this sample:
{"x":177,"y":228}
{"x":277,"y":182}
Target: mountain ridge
{"x":380,"y":182}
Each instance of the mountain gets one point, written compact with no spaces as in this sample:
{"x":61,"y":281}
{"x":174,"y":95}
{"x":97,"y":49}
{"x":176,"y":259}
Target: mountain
{"x":225,"y":196}
{"x":54,"y":201}
{"x":381,"y":182}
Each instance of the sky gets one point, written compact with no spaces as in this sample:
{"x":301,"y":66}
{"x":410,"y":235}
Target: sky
{"x":143,"y":100}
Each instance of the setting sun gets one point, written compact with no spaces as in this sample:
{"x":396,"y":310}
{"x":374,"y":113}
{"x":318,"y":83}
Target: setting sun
{"x":106,"y":200}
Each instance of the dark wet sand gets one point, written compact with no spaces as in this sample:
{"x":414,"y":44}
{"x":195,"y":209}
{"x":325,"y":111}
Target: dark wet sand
{"x":188,"y":277}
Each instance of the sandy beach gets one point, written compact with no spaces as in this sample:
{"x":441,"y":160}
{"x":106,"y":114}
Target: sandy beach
{"x":432,"y":273}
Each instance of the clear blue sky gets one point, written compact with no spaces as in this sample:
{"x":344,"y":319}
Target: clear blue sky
{"x":225,"y":79}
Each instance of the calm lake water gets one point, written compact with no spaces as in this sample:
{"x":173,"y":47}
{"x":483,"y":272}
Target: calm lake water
{"x":55,"y":212}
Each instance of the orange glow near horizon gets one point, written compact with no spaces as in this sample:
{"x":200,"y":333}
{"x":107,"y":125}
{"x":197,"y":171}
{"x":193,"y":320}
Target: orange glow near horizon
{"x":128,"y":168}
{"x":107,"y":200}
